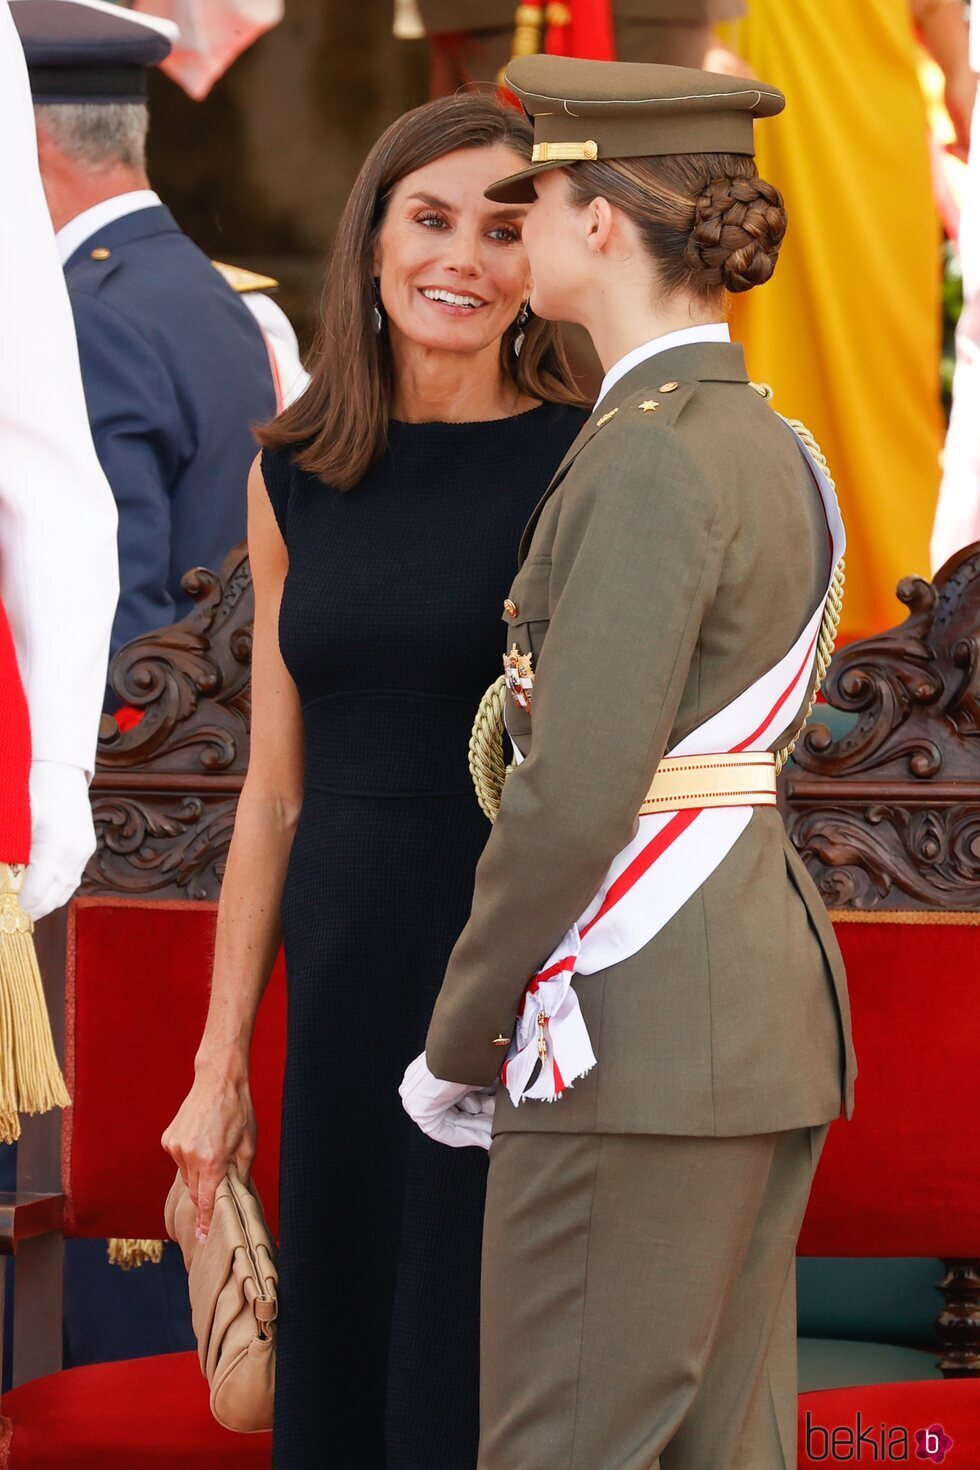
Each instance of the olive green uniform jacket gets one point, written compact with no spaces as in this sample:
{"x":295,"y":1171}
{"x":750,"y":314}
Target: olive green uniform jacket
{"x":676,"y":556}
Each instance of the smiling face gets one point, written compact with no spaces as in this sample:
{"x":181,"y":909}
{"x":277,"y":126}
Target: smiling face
{"x":453,"y":271}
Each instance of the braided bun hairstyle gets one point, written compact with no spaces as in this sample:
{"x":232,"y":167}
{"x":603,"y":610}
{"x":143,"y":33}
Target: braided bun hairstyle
{"x":707,"y":219}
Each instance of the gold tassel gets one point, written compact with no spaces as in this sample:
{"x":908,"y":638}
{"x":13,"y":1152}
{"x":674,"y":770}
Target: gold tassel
{"x":30,"y":1078}
{"x":127,"y":1254}
{"x":528,"y":35}
{"x":528,"y":28}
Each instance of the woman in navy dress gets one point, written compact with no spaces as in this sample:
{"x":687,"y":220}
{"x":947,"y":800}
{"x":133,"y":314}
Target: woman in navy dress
{"x":384,"y":519}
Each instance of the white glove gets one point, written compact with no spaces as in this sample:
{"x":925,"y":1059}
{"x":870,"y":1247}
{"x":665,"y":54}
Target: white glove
{"x":62,"y":836}
{"x":445,"y":1110}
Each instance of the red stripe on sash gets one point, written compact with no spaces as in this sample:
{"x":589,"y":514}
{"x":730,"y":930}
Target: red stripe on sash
{"x":568,"y":963}
{"x":644,"y":860}
{"x":756,"y":733}
{"x":830,"y":537}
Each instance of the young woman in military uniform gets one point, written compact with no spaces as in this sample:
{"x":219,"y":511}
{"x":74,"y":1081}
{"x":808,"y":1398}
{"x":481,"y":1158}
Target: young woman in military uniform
{"x":663,"y":634}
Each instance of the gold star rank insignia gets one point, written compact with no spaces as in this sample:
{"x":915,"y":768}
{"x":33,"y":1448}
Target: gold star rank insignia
{"x":649,"y":406}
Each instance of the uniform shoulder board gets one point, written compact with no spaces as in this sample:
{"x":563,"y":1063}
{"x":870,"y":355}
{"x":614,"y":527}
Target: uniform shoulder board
{"x":661,"y":405}
{"x":243,"y":281}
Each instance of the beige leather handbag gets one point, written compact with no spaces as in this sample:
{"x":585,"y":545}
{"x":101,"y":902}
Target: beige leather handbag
{"x":233,"y":1286}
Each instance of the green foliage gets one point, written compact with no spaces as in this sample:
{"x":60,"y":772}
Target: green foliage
{"x":952,"y":306}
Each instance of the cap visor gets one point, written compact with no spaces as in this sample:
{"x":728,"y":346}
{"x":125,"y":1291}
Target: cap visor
{"x":518,"y":188}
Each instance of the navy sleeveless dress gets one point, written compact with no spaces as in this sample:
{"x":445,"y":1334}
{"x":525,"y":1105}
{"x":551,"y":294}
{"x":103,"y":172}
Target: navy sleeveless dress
{"x":391,"y":629}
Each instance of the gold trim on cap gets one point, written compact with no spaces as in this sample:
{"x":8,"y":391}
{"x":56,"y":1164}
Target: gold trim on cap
{"x":565,"y":152}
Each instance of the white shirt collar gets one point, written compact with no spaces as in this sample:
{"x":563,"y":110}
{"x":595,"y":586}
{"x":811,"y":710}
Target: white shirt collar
{"x":709,"y":332}
{"x":90,"y":221}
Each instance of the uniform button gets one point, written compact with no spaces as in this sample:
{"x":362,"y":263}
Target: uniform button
{"x":101,"y":253}
{"x":668,"y":387}
{"x":510,"y":608}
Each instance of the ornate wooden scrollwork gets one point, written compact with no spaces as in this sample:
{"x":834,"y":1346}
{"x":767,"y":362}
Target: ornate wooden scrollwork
{"x":166,"y":788}
{"x":888,"y":815}
{"x":958,"y":1324}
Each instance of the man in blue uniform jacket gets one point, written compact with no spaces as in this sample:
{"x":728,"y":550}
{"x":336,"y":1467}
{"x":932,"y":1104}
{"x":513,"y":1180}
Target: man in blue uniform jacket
{"x":174,"y":364}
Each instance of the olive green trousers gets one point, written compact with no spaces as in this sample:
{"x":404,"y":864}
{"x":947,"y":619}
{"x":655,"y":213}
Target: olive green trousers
{"x":639,"y":1301}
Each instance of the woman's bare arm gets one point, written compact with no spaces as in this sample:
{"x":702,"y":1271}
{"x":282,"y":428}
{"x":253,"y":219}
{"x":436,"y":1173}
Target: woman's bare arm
{"x":216,"y":1123}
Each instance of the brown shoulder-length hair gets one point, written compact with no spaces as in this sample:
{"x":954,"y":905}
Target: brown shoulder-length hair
{"x":341,"y":421}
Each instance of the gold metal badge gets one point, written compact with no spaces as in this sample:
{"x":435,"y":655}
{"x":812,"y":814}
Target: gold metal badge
{"x":650,"y":405}
{"x":100,"y":253}
{"x":606,"y":417}
{"x":565,"y":152}
{"x":519,"y":676}
{"x":668,"y":387}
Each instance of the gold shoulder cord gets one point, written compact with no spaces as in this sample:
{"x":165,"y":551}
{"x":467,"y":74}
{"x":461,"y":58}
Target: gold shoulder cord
{"x":835,"y":597}
{"x":486,"y":750}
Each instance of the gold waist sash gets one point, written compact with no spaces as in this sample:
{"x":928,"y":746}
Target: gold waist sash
{"x":745,"y":778}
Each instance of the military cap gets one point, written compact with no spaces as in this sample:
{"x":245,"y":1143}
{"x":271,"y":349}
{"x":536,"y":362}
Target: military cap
{"x":88,"y":50}
{"x":587,"y":110}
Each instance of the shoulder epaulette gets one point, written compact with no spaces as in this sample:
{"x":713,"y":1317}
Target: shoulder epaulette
{"x":243,"y":281}
{"x":662,"y":405}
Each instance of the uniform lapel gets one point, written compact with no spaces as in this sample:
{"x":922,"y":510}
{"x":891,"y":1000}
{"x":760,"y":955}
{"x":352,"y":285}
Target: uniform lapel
{"x":697,"y":362}
{"x":587,"y":432}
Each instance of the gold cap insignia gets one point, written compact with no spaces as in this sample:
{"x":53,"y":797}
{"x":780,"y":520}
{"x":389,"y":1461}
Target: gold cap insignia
{"x":586,"y":152}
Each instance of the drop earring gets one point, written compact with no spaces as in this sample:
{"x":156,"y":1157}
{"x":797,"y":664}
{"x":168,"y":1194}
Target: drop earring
{"x":377,"y":319}
{"x":521,"y":334}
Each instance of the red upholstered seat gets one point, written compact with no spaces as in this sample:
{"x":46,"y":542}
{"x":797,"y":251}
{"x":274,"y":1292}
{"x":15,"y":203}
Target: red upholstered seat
{"x":136,"y":995}
{"x":144,"y":1414}
{"x":890,"y":1414}
{"x":902,"y":1178}
{"x":139,"y":976}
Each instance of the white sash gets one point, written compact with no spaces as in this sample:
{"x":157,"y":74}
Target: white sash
{"x":671,"y":855}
